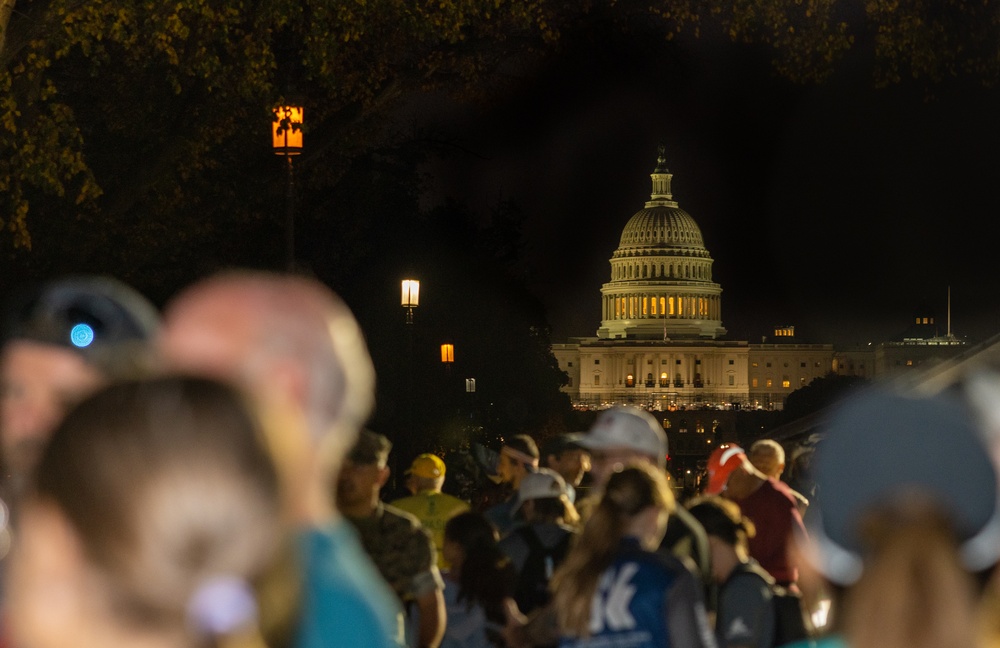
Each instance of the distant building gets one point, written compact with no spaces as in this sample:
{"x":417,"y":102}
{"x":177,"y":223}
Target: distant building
{"x":662,"y":344}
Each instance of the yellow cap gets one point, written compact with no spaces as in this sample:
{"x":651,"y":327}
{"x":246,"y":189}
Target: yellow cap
{"x":428,"y":466}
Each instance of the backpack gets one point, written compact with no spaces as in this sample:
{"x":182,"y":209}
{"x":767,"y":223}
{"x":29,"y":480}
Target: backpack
{"x":791,"y":623}
{"x":532,"y":589}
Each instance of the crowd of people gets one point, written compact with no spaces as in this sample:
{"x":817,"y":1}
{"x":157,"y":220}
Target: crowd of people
{"x":204,"y":476}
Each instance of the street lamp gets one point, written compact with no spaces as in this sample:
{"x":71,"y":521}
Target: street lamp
{"x":286,"y":139}
{"x":447,"y":357}
{"x":411,"y":297}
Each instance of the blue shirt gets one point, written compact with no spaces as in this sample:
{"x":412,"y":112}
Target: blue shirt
{"x":646,"y":600}
{"x":345,"y":600}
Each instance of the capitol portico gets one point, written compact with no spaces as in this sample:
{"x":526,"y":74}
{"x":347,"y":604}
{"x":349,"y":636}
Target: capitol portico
{"x":661,"y":338}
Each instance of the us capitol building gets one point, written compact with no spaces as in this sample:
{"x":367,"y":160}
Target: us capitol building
{"x":661,"y":340}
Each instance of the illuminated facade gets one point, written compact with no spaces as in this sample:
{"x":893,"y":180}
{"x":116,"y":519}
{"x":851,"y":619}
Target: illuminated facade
{"x":660,"y":342}
{"x":661,"y":274}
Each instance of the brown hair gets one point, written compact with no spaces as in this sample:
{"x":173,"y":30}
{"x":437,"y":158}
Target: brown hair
{"x":627,"y":494}
{"x":723,"y":519}
{"x":168,"y":485}
{"x":914,"y":592}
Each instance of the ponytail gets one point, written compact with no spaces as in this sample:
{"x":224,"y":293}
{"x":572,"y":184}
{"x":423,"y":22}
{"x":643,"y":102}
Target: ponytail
{"x":627,"y":494}
{"x":914,"y":592}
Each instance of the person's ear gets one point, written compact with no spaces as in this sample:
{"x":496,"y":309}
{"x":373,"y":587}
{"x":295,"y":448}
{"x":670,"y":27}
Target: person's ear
{"x":383,"y":476}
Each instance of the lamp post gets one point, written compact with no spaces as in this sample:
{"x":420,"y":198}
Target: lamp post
{"x":286,"y":139}
{"x":447,"y":357}
{"x":411,"y":297}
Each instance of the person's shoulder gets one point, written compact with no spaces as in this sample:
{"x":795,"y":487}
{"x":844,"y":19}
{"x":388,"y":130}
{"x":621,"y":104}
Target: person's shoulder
{"x":749,"y":580}
{"x":452,"y":501}
{"x":399,"y":517}
{"x":779,"y":489}
{"x":409,"y":502}
{"x":343,"y":588}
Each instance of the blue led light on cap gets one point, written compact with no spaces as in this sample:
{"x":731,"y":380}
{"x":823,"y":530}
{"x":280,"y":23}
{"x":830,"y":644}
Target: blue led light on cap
{"x":81,"y":335}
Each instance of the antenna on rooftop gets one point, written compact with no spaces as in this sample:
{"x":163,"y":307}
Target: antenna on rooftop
{"x":949,"y":311}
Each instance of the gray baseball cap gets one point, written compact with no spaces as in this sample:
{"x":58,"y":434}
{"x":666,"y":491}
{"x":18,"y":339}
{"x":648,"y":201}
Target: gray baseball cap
{"x":627,"y":427}
{"x":882,"y":449}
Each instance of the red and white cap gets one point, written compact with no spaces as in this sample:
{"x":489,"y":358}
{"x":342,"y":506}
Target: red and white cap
{"x":721,"y":464}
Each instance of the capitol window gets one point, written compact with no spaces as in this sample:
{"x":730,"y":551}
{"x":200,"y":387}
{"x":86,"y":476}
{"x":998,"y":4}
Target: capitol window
{"x":597,"y":379}
{"x":785,"y":382}
{"x":630,"y":380}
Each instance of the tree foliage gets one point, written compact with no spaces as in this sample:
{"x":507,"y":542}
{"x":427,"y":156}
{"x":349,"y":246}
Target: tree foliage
{"x":142,"y":110}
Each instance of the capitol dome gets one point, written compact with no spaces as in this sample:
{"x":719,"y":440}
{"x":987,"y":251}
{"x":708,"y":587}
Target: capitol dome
{"x":661,"y":274}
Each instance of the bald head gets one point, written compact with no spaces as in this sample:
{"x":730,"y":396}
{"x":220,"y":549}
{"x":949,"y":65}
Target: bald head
{"x":280,"y":337}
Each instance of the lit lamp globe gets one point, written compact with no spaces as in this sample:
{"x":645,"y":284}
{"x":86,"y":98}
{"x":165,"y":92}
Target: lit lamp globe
{"x":410,"y":297}
{"x":286,"y":130}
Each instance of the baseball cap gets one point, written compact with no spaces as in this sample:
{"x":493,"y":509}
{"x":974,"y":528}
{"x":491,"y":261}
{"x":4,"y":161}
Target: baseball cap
{"x":371,"y":448}
{"x":627,"y":427}
{"x":880,"y":448}
{"x":560,"y":443}
{"x":541,"y":484}
{"x":427,"y":465}
{"x":721,"y":464}
{"x":98,"y":317}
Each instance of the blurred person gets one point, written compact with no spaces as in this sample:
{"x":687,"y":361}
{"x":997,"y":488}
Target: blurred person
{"x":745,"y":613}
{"x":623,"y":435}
{"x":401,"y":548}
{"x":614,"y":587}
{"x":906,"y":523}
{"x":768,"y":457}
{"x":479,"y":586}
{"x":296,"y":347}
{"x":154,"y":518}
{"x":766,"y":501}
{"x":564,"y":454}
{"x":58,"y":343}
{"x":540,"y":543}
{"x":518,"y":457}
{"x":425,"y":479}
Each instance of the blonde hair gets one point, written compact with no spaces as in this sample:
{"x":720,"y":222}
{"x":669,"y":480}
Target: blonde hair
{"x":627,"y":494}
{"x":767,"y":455}
{"x":914,"y":592}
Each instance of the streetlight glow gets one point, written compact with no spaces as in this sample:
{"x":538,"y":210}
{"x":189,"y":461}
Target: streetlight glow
{"x":286,"y":130}
{"x":411,"y":297}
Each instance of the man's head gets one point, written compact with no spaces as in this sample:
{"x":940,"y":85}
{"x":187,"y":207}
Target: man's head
{"x":768,"y":456}
{"x":624,"y":435}
{"x":518,"y":457}
{"x":426,"y":473}
{"x":725,"y":461}
{"x":364,"y":473}
{"x":60,"y":342}
{"x":543,"y":495}
{"x":287,"y":339}
{"x":564,"y":454}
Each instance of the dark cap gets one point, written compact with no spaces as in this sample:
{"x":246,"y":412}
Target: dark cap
{"x":371,"y":448}
{"x":560,"y":443}
{"x":880,"y":448}
{"x":100,"y":318}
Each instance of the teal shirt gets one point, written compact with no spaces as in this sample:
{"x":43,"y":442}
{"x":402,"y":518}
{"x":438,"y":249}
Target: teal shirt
{"x":346,"y":603}
{"x":829,"y":641}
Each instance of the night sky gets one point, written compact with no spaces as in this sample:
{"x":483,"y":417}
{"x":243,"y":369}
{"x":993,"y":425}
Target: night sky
{"x":838,"y":208}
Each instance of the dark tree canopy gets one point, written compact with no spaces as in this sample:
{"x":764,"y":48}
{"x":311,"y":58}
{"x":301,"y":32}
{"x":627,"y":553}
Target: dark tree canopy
{"x":143,"y":112}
